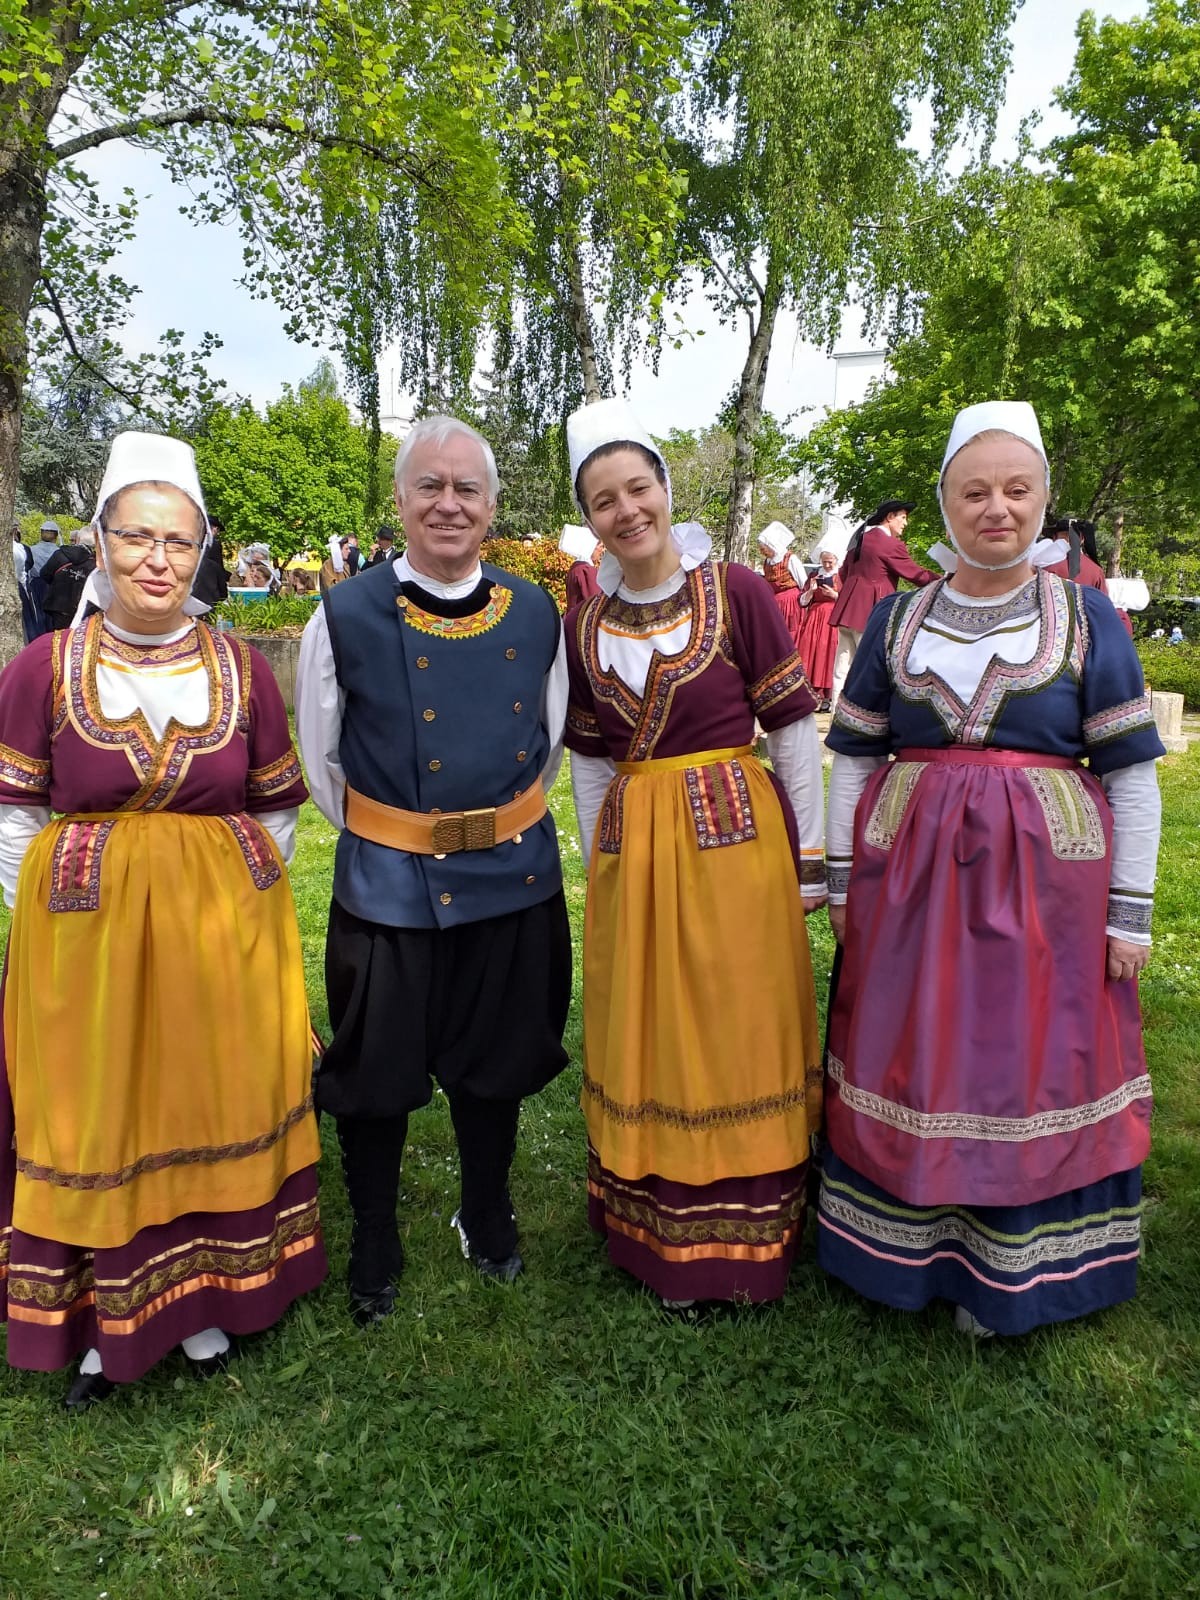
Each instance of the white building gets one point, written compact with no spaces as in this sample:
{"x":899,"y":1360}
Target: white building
{"x":853,"y":373}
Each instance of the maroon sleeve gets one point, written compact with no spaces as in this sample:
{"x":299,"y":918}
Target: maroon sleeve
{"x":901,"y":565}
{"x":780,"y":692}
{"x":26,"y":717}
{"x":274,"y":781}
{"x":583,"y":726}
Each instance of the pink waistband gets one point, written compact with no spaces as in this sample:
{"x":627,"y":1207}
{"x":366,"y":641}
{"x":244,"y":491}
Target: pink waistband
{"x":970,"y":756}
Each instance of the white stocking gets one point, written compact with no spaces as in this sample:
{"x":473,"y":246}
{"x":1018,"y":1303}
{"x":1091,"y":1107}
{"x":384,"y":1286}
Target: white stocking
{"x":203,"y":1346}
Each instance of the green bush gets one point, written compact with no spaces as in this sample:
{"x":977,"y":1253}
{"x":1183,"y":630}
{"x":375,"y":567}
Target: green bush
{"x":32,"y":521}
{"x":1172,"y":669}
{"x":1167,"y":612}
{"x":275,"y":614}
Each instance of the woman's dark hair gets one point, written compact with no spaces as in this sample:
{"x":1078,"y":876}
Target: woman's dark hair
{"x":611,"y":449}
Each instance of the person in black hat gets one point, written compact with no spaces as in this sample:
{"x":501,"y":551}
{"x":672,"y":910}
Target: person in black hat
{"x":875,"y":562}
{"x":384,"y":548}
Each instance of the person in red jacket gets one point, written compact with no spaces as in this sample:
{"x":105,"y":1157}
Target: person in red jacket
{"x":1079,"y":559}
{"x":875,"y":562}
{"x":582,"y":582}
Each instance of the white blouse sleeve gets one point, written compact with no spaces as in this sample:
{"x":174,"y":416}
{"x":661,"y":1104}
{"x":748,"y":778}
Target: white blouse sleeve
{"x":19,"y":827}
{"x":319,"y":707}
{"x":1132,"y":793}
{"x":590,"y":778}
{"x":848,"y":779}
{"x":795,"y":752}
{"x":554,"y":711}
{"x":281,"y":825}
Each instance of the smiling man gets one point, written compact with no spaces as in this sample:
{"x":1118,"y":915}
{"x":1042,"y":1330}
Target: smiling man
{"x":430,"y":703}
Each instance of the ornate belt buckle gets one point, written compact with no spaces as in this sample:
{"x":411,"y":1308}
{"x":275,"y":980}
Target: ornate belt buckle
{"x":479,"y":829}
{"x":449,"y":834}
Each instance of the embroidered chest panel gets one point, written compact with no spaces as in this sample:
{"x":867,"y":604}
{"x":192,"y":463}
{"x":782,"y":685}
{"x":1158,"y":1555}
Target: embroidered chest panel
{"x":703,"y":595}
{"x":429,"y":623}
{"x":1061,"y":647}
{"x":161,"y":763}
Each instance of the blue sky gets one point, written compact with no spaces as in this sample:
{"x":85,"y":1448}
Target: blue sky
{"x":188,"y":276}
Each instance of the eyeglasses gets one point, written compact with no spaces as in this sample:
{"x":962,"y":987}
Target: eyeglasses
{"x":179,"y":551}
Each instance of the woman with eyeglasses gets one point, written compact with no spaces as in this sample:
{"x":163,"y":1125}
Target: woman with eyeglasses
{"x":157,"y":1139}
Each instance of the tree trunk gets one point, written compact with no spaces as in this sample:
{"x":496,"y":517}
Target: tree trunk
{"x":22,"y":214}
{"x":26,"y":113}
{"x":747,"y":417}
{"x":1118,"y":530}
{"x":580,"y":315}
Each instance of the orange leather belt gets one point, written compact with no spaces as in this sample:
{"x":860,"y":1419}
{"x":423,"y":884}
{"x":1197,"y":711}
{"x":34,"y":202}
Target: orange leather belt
{"x":442,"y":833}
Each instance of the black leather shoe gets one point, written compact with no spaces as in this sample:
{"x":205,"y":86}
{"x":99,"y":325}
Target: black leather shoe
{"x":211,"y":1366}
{"x":368,"y":1308}
{"x":88,"y":1389}
{"x":506,"y":1271}
{"x":376,"y":1262}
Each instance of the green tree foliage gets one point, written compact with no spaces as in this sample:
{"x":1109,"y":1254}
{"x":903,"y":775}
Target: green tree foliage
{"x":701,"y":464}
{"x":1075,"y":285}
{"x":802,"y":187}
{"x":294,"y":477}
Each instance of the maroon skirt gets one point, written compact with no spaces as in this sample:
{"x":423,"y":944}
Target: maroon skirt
{"x":236,"y":1270}
{"x":788,"y":601}
{"x":978,"y":1052}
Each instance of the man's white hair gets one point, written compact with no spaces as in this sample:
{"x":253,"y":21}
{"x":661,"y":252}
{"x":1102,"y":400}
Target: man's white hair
{"x":438,"y":430}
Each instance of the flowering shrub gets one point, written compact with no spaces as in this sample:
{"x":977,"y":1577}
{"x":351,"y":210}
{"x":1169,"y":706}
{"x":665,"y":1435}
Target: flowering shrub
{"x":542,"y":563}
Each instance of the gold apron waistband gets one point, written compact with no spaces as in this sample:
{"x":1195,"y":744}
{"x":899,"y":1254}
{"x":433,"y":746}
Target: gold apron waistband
{"x":436,"y":833}
{"x":699,"y":758}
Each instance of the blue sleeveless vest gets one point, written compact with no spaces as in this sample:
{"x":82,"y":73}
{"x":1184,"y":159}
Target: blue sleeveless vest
{"x":443,"y":714}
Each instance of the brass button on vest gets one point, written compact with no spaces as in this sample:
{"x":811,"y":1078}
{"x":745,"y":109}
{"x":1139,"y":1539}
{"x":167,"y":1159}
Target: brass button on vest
{"x":435,"y":766}
{"x":521,"y":754}
{"x":446,"y":899}
{"x":510,"y":654}
{"x":531,"y":878}
{"x":422,"y":661}
{"x":429,"y":716}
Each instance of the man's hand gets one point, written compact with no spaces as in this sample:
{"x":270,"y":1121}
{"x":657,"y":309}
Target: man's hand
{"x":1125,"y":960}
{"x":837,"y":921}
{"x":814,"y":902}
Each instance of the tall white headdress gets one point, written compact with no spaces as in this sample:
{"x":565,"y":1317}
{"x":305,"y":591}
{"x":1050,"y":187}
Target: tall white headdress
{"x":143,"y":458}
{"x":615,"y":422}
{"x":1007,"y":416}
{"x":776,"y":537}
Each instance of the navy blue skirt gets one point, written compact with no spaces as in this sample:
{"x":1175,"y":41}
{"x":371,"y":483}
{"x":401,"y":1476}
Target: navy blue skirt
{"x":1013,"y":1267}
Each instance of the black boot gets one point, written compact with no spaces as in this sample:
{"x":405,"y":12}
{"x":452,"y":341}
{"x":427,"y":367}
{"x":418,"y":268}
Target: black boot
{"x":371,"y":1156}
{"x":486,"y":1131}
{"x":87,"y":1390}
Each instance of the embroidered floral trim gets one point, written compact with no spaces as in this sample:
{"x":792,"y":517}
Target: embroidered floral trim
{"x":859,"y":721}
{"x":976,"y":621}
{"x":999,"y":1130}
{"x":777,"y":1230}
{"x":1122,"y":1226}
{"x":19,"y":771}
{"x":256,"y":849}
{"x":733,"y":1115}
{"x":1072,"y":816}
{"x":812,"y":868}
{"x":1115,"y":722}
{"x":583,"y":723}
{"x":648,"y":714}
{"x":161,"y":763}
{"x":75,"y":867}
{"x":217,"y":1257}
{"x":837,"y":875}
{"x":720,"y":800}
{"x":612,"y":817}
{"x":150,"y":655}
{"x":198,"y":1155}
{"x":275,"y":777}
{"x":1129,"y":912}
{"x":1062,"y":642}
{"x":637,"y":620}
{"x":777,"y":684}
{"x":428,"y":622}
{"x":891,"y":804}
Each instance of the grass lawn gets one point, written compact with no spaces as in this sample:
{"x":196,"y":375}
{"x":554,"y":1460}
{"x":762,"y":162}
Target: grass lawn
{"x":563,"y":1438}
